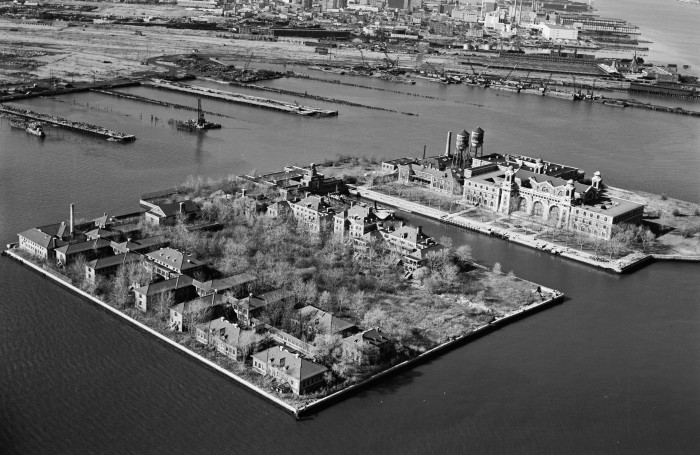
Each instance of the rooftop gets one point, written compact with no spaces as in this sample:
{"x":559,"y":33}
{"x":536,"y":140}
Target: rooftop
{"x":292,"y":364}
{"x":174,"y":259}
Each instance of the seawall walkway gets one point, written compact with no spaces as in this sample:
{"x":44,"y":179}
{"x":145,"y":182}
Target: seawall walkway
{"x":618,"y":266}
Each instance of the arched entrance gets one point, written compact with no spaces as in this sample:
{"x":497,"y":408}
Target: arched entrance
{"x":537,"y":209}
{"x":521,"y":206}
{"x":553,"y":217}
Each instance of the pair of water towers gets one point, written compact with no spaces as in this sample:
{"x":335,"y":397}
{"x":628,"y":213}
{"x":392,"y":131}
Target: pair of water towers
{"x":467,"y":145}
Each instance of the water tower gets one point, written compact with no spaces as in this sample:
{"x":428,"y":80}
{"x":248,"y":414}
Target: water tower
{"x":462,"y":145}
{"x":478,"y":141}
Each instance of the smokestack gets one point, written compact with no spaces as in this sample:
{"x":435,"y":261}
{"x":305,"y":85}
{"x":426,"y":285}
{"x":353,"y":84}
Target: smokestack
{"x":72,"y":218}
{"x":448,"y":144}
{"x":182,"y":207}
{"x":424,"y":147}
{"x":419,"y":229}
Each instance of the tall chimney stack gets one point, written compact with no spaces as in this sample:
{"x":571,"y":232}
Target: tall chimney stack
{"x":448,"y":144}
{"x":72,"y":219}
{"x":182,"y":207}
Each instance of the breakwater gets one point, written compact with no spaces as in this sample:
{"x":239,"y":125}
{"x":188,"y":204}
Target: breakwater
{"x":81,"y":127}
{"x":238,"y":98}
{"x":311,"y":96}
{"x":144,"y":99}
{"x":457,"y":219}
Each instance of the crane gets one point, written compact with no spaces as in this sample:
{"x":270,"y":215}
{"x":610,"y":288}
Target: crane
{"x":245,"y":68}
{"x":577,"y":95}
{"x":546,"y":84}
{"x":509,"y":73}
{"x":589,"y":95}
{"x":482,"y":80}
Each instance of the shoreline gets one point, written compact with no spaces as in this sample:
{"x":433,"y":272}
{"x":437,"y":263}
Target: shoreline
{"x":621,"y":265}
{"x":321,"y":403}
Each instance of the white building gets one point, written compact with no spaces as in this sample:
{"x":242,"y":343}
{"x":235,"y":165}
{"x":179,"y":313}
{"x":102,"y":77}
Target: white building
{"x":465,"y":15}
{"x":554,"y":32}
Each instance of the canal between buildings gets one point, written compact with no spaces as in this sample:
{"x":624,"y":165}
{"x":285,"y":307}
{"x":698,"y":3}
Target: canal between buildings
{"x":612,"y":369}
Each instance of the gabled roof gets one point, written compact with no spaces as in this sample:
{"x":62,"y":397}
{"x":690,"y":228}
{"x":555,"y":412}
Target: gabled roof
{"x":292,"y":364}
{"x":55,"y":230}
{"x":173,"y":208}
{"x":137,"y":245}
{"x":110,"y":261}
{"x":223,"y":284}
{"x":315,"y":203}
{"x":172,"y":284}
{"x":197,"y":304}
{"x":174,"y":259}
{"x":361,"y":212}
{"x":372,"y":336}
{"x":221,"y":328}
{"x":101,"y":233}
{"x":324,"y":321}
{"x":35,"y":235}
{"x":412,"y":234}
{"x":80,"y":247}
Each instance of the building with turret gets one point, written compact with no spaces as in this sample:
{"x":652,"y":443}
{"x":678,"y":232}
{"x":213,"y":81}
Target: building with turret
{"x":550,"y":193}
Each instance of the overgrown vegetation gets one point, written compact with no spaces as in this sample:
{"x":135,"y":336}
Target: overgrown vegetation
{"x":449,"y":297}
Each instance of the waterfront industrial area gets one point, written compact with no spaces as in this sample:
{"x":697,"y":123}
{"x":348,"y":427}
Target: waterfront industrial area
{"x":310,"y":283}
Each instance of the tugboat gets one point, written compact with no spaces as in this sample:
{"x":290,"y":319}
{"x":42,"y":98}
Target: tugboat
{"x":35,"y":129}
{"x":198,"y":124}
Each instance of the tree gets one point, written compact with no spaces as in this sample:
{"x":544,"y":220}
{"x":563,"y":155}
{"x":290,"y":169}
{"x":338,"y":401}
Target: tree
{"x":464,"y":255}
{"x":327,"y":348}
{"x":120,"y":288}
{"x":163,"y":303}
{"x":76,"y":271}
{"x":497,"y":267}
{"x":324,"y":301}
{"x":343,"y":298}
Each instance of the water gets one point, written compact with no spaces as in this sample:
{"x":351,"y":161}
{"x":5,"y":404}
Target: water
{"x":613,"y":369}
{"x":670,"y":24}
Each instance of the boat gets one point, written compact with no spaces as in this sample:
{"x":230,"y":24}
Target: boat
{"x":195,"y":124}
{"x":35,"y":129}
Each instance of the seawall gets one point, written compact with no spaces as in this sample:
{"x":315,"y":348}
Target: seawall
{"x":160,"y":337}
{"x":324,"y":402}
{"x":618,"y":266}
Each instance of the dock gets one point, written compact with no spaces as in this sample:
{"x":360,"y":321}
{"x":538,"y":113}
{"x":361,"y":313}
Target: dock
{"x":81,"y":127}
{"x":239,"y":98}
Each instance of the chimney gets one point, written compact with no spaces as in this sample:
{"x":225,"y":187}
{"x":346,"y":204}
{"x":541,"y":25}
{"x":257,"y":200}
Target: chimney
{"x":242,"y":192}
{"x":419,"y":229}
{"x":448,"y":144}
{"x":182,"y":207}
{"x":72,"y":218}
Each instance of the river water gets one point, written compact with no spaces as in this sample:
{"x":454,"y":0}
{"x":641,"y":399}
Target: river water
{"x":614,"y":369}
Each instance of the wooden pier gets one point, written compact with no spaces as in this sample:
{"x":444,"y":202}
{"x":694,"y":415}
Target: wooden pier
{"x":80,"y":127}
{"x":239,"y":98}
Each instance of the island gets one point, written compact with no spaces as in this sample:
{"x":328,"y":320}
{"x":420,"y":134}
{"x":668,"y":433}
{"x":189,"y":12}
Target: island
{"x":294,"y":289}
